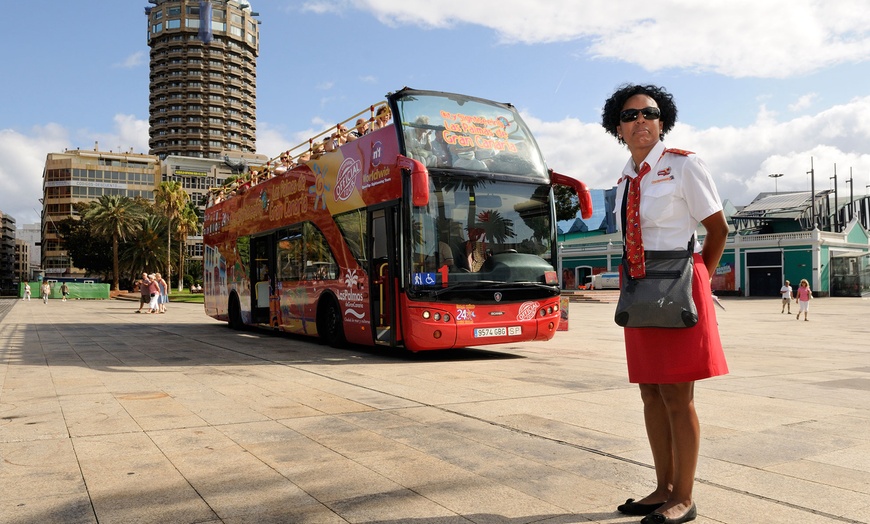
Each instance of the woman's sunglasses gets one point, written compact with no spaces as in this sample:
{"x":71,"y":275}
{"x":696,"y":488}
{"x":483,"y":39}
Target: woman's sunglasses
{"x":649,"y":113}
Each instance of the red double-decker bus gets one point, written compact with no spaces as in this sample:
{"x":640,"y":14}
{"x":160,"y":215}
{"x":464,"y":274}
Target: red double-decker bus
{"x":435,"y":229}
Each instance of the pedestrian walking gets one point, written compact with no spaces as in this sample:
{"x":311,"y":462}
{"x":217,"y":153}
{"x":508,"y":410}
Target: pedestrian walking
{"x":804,"y":295}
{"x":144,"y":293}
{"x":46,"y":291}
{"x":26,"y":291}
{"x":153,"y":294}
{"x":64,"y":291}
{"x":164,"y":292}
{"x":786,"y":292}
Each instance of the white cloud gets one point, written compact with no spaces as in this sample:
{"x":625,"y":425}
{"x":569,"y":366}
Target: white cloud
{"x":803,"y":102}
{"x":22,"y":158}
{"x":739,"y":158}
{"x":134,"y":60}
{"x":741,"y":38}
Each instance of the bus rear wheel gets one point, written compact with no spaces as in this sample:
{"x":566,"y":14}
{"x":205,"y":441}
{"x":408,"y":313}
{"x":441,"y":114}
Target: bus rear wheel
{"x":330,"y":325}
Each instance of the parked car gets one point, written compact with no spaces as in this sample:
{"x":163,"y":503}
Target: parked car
{"x":609,"y":280}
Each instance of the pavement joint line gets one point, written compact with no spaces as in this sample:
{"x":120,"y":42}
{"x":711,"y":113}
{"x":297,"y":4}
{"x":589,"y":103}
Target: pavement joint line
{"x":648,"y":466}
{"x":557,"y":441}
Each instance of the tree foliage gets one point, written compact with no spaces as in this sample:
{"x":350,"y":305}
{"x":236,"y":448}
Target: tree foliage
{"x":148,"y":252}
{"x":170,"y":199}
{"x":117,"y":218}
{"x":567,"y":203}
{"x":87,"y":251}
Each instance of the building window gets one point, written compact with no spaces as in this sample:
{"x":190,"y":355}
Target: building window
{"x":192,"y":23}
{"x":156,"y":28}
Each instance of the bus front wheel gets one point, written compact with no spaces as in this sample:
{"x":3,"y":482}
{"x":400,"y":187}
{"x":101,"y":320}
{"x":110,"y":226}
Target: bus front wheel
{"x":330,"y":325}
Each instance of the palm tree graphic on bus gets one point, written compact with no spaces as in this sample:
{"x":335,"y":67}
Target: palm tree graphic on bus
{"x":351,"y":279}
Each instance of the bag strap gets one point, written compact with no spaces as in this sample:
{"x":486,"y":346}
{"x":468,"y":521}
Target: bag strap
{"x":690,"y":247}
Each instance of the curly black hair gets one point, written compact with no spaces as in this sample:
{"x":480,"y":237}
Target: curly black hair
{"x":613,"y":106}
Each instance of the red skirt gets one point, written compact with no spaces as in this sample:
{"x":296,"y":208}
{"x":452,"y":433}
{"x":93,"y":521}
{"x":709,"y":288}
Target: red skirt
{"x":670,"y":356}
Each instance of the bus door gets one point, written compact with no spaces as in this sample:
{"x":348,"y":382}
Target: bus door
{"x":262,"y":276}
{"x":384,"y":238}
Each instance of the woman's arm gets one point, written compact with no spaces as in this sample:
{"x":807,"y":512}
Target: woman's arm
{"x":714,"y":243}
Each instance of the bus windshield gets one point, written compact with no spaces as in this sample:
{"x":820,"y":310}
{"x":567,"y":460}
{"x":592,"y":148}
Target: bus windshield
{"x":481,"y":230}
{"x":449,"y":131}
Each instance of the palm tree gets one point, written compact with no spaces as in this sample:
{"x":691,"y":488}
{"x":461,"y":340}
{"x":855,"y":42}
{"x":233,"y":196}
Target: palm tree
{"x":149,"y":249}
{"x":188,"y":222}
{"x":170,"y":198}
{"x":117,"y":217}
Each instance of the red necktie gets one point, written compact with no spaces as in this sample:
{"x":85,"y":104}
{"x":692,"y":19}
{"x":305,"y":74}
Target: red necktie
{"x":633,"y":238}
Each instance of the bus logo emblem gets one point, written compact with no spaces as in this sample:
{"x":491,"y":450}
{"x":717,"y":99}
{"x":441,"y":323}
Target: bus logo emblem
{"x":377,"y":150}
{"x":528,"y":310}
{"x":497,"y":297}
{"x":345,"y":180}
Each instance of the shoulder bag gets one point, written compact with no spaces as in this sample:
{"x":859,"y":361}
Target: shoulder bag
{"x":662,"y":299}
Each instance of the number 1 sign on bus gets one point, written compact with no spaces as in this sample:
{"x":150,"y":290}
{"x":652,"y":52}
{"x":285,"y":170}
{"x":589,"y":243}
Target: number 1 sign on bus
{"x":434,"y":229}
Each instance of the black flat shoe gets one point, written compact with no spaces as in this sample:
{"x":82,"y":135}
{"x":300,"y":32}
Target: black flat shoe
{"x":658,"y":518}
{"x":633,"y":508}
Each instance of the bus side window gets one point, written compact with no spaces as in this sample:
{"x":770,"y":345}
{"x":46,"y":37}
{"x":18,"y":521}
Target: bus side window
{"x":319,"y":262}
{"x":290,"y":256}
{"x":353,"y":228}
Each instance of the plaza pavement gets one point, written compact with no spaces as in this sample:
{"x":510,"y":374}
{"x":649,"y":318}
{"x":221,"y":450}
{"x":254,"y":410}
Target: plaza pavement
{"x":107,"y":416}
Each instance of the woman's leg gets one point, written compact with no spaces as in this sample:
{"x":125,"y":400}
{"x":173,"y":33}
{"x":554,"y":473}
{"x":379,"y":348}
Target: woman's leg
{"x":679,"y":401}
{"x":658,"y":431}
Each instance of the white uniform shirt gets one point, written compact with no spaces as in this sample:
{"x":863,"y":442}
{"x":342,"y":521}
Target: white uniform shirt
{"x":675,"y":196}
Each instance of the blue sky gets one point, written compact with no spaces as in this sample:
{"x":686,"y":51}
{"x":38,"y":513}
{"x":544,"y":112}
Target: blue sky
{"x":761,"y":87}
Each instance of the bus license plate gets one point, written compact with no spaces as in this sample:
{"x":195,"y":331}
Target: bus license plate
{"x":498,"y":331}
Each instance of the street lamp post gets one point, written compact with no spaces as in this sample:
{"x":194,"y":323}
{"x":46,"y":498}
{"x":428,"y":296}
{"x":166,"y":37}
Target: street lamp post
{"x":851,"y":195}
{"x":775,"y":177}
{"x":836,"y":204}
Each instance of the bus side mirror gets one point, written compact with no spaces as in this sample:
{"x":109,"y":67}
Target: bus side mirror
{"x":583,"y":193}
{"x":419,"y":180}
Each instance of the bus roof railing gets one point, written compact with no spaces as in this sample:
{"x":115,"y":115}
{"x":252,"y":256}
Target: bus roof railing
{"x":316,"y":146}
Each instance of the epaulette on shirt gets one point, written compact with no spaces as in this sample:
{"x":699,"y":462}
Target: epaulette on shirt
{"x":681,"y":152}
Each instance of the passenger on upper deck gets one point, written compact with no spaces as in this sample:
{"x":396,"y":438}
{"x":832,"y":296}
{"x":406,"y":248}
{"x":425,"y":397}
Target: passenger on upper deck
{"x":284,"y":165}
{"x":341,"y":135}
{"x":418,"y":142}
{"x":361,"y":128}
{"x":316,"y":150}
{"x":465,"y":159}
{"x":328,"y":144}
{"x":382,"y":118}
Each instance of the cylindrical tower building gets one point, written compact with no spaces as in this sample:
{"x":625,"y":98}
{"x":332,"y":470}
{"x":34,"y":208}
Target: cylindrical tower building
{"x":203,"y":81}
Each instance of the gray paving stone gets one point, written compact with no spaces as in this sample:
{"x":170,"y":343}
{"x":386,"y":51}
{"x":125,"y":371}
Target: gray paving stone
{"x":208,"y":425}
